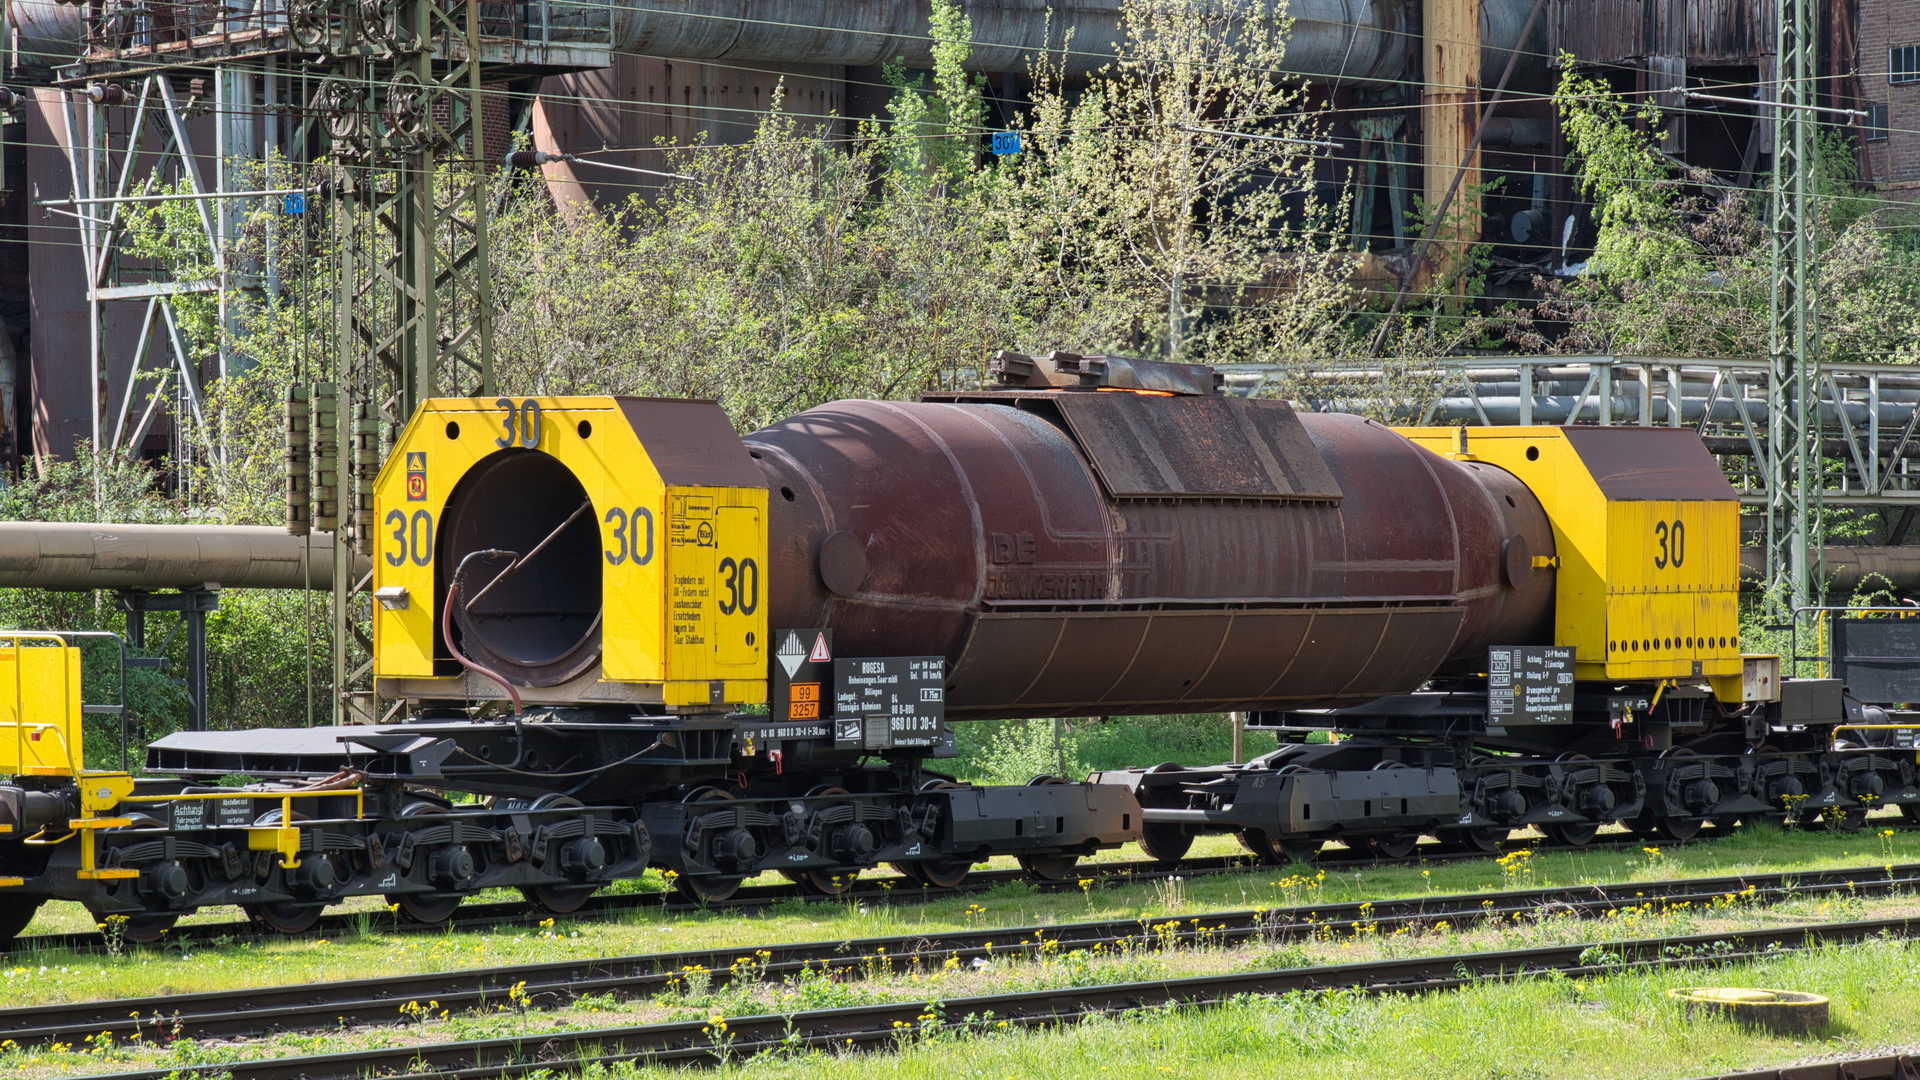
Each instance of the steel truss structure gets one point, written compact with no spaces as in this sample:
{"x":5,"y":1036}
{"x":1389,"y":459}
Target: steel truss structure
{"x":123,"y":139}
{"x":391,"y":92}
{"x":1870,"y":456}
{"x":1793,"y":509}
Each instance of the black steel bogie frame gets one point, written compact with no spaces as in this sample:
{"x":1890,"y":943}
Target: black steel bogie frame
{"x":926,"y":817}
{"x":506,"y":845}
{"x":1430,"y":763}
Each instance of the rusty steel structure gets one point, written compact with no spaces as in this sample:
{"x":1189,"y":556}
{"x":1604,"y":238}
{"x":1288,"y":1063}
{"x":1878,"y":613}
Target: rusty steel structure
{"x":1065,"y":552}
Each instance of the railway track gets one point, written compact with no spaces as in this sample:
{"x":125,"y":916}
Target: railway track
{"x":1878,"y":1067}
{"x":880,"y":888}
{"x":256,"y":1011}
{"x":696,"y":1043}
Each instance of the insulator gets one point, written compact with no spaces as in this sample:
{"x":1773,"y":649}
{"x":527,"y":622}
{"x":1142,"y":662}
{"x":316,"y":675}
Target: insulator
{"x":326,"y":457}
{"x":299,"y":461}
{"x":107,"y":94}
{"x":366,"y":469}
{"x":530,"y":159}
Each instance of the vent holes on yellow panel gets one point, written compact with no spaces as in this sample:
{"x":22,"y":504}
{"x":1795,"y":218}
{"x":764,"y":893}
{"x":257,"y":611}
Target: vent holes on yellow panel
{"x":1533,"y":453}
{"x":453,"y":429}
{"x":585,"y":428}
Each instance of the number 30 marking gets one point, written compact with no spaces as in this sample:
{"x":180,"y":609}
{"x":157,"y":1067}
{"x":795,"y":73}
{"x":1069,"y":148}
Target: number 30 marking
{"x":1672,"y":538}
{"x":523,"y":424}
{"x":742,"y":582}
{"x":639,"y":543}
{"x":412,"y":538}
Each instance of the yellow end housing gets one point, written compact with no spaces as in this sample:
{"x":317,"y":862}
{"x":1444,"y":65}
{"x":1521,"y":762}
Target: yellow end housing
{"x":681,"y":513}
{"x":1647,"y":532}
{"x":40,"y":706}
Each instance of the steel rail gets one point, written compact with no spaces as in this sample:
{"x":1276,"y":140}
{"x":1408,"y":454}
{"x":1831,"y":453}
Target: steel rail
{"x":255,"y":1011}
{"x":697,"y":1043}
{"x":1878,"y":1067}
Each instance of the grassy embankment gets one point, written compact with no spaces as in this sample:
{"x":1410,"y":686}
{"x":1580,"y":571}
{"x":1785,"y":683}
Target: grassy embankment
{"x":1618,"y":1025}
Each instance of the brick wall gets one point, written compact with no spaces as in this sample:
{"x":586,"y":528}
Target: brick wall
{"x":1888,"y":24}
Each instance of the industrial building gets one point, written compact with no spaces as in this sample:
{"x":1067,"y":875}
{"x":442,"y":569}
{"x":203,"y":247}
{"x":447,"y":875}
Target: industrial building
{"x":1404,"y":82}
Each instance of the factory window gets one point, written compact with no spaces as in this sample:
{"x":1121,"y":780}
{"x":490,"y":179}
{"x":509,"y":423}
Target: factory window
{"x":1876,"y":124}
{"x":1903,"y":64}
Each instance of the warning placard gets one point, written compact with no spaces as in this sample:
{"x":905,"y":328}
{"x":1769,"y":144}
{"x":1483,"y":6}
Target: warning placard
{"x":802,"y":667}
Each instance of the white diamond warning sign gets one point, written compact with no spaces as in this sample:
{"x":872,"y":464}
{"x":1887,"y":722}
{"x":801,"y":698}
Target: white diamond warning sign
{"x":791,"y":653}
{"x":819,"y":655}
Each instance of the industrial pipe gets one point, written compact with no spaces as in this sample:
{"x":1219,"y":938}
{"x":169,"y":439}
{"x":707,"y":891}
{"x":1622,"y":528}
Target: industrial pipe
{"x":90,"y":555}
{"x":1847,"y":567}
{"x":43,"y":33}
{"x":1349,"y":40}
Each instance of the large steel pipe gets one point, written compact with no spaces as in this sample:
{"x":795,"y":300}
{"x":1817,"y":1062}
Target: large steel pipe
{"x":1848,"y":567}
{"x":1348,"y":40}
{"x":1345,"y":40}
{"x":91,"y":555}
{"x":42,"y":33}
{"x":982,"y":533}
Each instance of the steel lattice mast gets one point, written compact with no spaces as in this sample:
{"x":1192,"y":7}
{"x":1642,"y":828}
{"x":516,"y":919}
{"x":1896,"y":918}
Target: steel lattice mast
{"x":406,"y":191}
{"x":416,"y":313}
{"x":1793,"y":512}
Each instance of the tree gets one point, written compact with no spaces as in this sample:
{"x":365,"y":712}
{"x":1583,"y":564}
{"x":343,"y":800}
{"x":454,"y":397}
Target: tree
{"x":1680,"y":262}
{"x":1179,"y":181}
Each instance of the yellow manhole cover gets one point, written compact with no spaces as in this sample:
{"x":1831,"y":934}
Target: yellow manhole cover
{"x":1786,"y":1011}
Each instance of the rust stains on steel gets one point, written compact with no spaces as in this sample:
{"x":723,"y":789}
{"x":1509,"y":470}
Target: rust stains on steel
{"x":1701,"y":31}
{"x":1083,"y":552}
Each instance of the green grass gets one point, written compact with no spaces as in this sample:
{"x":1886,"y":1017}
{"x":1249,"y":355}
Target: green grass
{"x":1012,"y":751}
{"x":1618,"y":1027}
{"x":1309,"y":1035}
{"x":30,"y":977}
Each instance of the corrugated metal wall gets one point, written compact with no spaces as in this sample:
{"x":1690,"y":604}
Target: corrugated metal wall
{"x":1702,"y":31}
{"x":641,"y":102}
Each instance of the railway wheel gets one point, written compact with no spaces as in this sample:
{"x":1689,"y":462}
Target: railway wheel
{"x":1393,"y":845}
{"x":1486,"y":839}
{"x":1278,"y":850}
{"x":1049,"y":867}
{"x":826,"y":880}
{"x":1165,"y":844}
{"x":707,"y":888}
{"x":284,"y":917}
{"x":939,"y":873}
{"x":1572,"y":833}
{"x":15,"y":913}
{"x":558,"y":899}
{"x":148,"y":926}
{"x":713,"y":888}
{"x":425,"y":908}
{"x":1677,"y":829}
